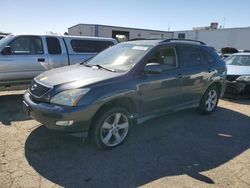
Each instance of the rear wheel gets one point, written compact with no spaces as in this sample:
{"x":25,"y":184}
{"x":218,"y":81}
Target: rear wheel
{"x":111,"y":127}
{"x":209,"y":100}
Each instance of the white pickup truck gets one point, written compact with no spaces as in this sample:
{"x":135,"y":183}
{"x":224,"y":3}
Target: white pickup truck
{"x":22,"y":57}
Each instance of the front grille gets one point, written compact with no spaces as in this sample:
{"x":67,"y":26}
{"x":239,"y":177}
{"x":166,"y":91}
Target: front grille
{"x":232,"y":77}
{"x":37,"y":89}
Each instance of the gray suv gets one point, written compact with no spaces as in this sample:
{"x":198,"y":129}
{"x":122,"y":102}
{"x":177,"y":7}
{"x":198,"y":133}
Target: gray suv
{"x":125,"y":84}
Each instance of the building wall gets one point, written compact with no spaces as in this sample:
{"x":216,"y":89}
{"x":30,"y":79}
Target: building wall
{"x":188,"y":34}
{"x":236,"y":37}
{"x":134,"y":33}
{"x":106,"y":31}
{"x":82,"y":30}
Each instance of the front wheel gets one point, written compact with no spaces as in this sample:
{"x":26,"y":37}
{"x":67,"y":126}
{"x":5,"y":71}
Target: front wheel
{"x":111,"y":128}
{"x":209,"y":101}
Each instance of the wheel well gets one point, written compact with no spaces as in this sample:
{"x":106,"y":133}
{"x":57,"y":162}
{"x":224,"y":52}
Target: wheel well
{"x":217,"y":85}
{"x":124,"y":102}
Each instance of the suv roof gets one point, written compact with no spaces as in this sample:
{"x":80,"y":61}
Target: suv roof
{"x":158,"y":41}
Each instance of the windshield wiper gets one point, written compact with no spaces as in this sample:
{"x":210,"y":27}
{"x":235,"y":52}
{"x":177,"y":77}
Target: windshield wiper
{"x":86,"y":65}
{"x":85,"y":61}
{"x":102,"y":67}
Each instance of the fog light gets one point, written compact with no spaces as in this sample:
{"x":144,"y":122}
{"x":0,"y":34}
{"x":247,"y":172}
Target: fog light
{"x":65,"y":123}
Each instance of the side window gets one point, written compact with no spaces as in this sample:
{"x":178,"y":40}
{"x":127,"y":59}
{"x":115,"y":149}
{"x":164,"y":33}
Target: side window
{"x":27,"y":45}
{"x":36,"y":45}
{"x":207,"y":58}
{"x":54,"y":46}
{"x":167,"y":57}
{"x":191,"y":56}
{"x":90,"y":46}
{"x":102,"y":45}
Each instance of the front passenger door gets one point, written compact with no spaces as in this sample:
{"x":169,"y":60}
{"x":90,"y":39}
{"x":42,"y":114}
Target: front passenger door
{"x":26,"y":60}
{"x":161,"y":92}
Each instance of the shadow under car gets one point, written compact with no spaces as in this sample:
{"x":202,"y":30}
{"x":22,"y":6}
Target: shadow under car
{"x":164,"y":146}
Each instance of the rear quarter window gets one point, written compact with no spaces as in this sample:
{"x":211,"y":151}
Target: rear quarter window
{"x":89,"y":46}
{"x":207,"y":58}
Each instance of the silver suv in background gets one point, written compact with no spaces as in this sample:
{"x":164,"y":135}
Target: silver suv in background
{"x":22,"y":57}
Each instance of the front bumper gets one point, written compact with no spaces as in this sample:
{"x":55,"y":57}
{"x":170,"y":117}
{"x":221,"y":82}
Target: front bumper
{"x":48,"y":114}
{"x":237,"y":88}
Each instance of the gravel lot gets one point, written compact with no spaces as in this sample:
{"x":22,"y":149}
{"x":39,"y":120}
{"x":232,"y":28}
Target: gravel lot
{"x":183,"y":149}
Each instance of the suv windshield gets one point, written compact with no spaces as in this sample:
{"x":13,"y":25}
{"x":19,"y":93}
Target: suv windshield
{"x":121,"y":57}
{"x":240,"y":60}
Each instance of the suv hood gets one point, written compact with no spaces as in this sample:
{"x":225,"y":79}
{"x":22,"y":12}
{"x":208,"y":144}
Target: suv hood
{"x":238,"y":70}
{"x":80,"y":73}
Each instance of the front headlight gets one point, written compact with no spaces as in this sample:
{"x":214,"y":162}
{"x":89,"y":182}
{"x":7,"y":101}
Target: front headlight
{"x":243,"y":79}
{"x":69,"y":97}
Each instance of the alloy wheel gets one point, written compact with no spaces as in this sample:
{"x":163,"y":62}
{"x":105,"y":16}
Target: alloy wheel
{"x":211,"y":100}
{"x":114,"y":129}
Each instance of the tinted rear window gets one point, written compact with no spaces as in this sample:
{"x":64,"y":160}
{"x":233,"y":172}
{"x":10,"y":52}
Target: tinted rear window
{"x":90,"y":46}
{"x":54,"y":46}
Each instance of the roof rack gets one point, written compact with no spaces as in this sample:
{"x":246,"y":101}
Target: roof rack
{"x":135,"y":39}
{"x":187,"y":40}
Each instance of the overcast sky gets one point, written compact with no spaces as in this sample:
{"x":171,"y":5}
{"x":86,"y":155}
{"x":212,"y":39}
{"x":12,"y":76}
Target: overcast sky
{"x":41,"y":16}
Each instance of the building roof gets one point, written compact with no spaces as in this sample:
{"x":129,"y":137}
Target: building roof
{"x":219,"y":29}
{"x":120,"y":27}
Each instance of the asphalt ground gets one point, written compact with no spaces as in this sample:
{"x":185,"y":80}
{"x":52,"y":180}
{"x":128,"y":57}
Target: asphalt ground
{"x":183,"y":149}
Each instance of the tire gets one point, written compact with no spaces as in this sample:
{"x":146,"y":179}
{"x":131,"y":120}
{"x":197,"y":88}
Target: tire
{"x":111,"y":127}
{"x":209,"y":101}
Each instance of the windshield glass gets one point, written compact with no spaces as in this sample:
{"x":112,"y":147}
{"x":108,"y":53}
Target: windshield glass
{"x":240,"y":60}
{"x":5,"y":40}
{"x":121,"y":57}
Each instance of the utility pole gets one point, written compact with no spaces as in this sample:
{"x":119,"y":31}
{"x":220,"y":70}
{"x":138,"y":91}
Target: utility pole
{"x":224,"y":23}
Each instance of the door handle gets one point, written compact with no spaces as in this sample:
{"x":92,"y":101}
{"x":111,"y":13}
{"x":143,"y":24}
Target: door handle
{"x":40,"y":59}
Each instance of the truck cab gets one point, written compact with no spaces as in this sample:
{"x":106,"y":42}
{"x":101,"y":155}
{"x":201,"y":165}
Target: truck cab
{"x":25,"y":56}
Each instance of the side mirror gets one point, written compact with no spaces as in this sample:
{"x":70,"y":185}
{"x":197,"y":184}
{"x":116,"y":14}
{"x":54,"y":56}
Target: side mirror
{"x":153,"y":68}
{"x":6,"y":50}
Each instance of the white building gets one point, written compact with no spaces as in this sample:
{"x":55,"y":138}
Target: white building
{"x":120,"y":33}
{"x":218,"y":38}
{"x":238,"y":38}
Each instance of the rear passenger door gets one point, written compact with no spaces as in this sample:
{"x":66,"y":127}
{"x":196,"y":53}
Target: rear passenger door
{"x":57,"y":52}
{"x":26,"y":61}
{"x":194,"y":74}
